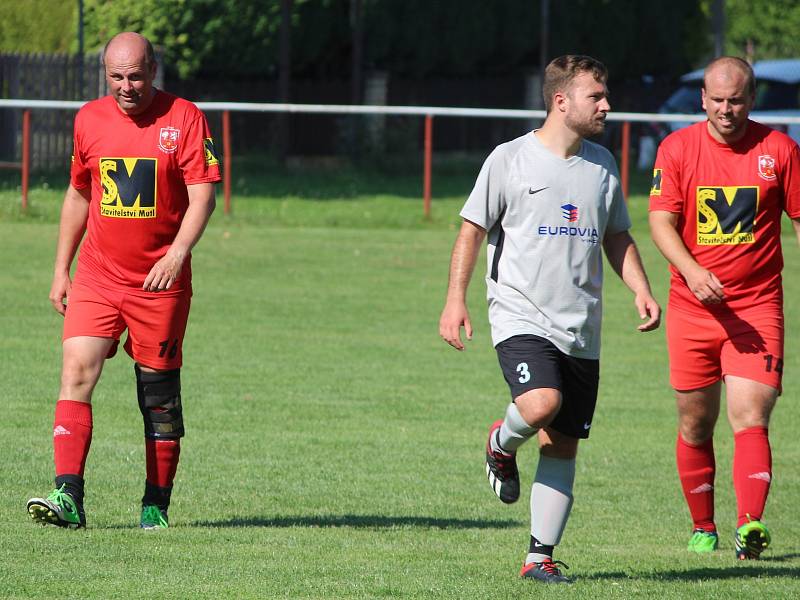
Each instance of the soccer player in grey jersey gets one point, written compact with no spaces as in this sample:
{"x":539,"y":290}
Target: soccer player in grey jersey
{"x":549,"y":200}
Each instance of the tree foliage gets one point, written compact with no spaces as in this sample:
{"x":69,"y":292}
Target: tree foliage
{"x":38,"y":26}
{"x":763,"y":28}
{"x":413,"y":38}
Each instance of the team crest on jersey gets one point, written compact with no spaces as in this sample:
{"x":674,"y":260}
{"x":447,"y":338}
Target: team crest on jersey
{"x":129,"y":187}
{"x":726,"y":215}
{"x":655,"y":188}
{"x":168,"y":139}
{"x":766,"y":167}
{"x":570,"y":212}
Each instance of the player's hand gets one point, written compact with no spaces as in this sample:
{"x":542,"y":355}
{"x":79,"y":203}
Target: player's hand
{"x":454,"y":315}
{"x":59,"y":291}
{"x":705,"y":286}
{"x":648,"y":309}
{"x":163,"y":274}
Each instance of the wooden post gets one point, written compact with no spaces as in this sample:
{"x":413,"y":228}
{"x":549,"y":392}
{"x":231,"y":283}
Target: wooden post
{"x":226,"y":159}
{"x":426,"y":184}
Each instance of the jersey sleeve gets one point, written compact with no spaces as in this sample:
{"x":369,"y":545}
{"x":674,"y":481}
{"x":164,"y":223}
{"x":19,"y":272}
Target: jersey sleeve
{"x":790,"y":180}
{"x":665,"y":192}
{"x":198,"y":158}
{"x":80,"y":175}
{"x":487,"y":200}
{"x":618,"y":218}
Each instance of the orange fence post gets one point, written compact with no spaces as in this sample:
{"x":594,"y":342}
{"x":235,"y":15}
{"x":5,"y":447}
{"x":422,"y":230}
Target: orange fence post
{"x":626,"y":152}
{"x":426,"y":185}
{"x":226,"y":159}
{"x":26,"y":156}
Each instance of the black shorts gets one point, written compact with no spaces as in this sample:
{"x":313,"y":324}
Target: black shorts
{"x":531,"y":362}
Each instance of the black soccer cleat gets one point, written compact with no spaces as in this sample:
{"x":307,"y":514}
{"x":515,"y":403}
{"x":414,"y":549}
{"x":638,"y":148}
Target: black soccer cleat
{"x":501,"y":469}
{"x":546,"y":571}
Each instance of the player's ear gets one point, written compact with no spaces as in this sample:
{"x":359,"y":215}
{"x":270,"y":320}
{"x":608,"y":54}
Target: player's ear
{"x":560,"y":101}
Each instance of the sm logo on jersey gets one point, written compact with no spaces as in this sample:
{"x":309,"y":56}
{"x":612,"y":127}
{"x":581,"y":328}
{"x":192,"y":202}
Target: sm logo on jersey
{"x":726,"y":215}
{"x":129,"y":187}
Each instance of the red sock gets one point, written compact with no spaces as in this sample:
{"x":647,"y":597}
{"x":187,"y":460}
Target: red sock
{"x":752,"y":472}
{"x":162,"y":461}
{"x":696,"y":469}
{"x":72,"y":436}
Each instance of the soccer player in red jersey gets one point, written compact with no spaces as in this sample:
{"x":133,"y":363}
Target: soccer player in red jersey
{"x":718,"y":193}
{"x":142,"y":191}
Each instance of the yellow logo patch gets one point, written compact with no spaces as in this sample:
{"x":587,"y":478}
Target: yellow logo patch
{"x":726,"y":215}
{"x":211,"y":152}
{"x":129,"y":187}
{"x":655,"y":189}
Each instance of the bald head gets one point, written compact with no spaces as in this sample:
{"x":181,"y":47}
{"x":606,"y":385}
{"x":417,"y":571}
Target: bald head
{"x":130,"y":67}
{"x":728,"y":96}
{"x":729,"y":69}
{"x":132,"y":44}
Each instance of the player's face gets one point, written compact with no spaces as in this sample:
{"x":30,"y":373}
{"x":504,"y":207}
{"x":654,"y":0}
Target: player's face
{"x":727,"y":103}
{"x":587,"y":105}
{"x":129,"y":78}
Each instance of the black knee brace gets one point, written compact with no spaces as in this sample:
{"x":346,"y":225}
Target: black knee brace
{"x":160,"y":402}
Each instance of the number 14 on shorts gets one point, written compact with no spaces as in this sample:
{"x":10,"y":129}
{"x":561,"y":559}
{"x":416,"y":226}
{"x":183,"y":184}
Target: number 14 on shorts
{"x":168,"y":349}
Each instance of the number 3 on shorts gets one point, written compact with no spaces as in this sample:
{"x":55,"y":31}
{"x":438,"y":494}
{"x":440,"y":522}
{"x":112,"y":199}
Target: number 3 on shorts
{"x":524,"y":373}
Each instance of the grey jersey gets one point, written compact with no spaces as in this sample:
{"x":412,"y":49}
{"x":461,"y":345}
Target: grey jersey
{"x":547,"y":217}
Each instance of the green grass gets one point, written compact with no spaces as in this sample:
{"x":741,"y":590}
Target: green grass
{"x":334,"y":442}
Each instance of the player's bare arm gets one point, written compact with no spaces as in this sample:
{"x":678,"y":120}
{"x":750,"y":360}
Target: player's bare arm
{"x":201,"y":205}
{"x":74,"y":214}
{"x":703,"y":283}
{"x":624,"y":258}
{"x":462,"y":263}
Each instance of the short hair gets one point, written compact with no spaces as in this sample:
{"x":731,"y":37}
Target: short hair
{"x":562,"y":70}
{"x":739,"y":63}
{"x":149,"y":52}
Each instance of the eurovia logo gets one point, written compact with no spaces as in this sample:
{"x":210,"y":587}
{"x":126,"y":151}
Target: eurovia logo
{"x":569,"y":212}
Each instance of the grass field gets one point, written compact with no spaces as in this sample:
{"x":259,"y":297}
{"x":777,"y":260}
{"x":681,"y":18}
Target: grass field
{"x":334,"y":443}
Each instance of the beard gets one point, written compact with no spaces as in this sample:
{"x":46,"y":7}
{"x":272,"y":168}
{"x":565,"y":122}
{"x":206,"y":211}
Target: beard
{"x":586,"y":128}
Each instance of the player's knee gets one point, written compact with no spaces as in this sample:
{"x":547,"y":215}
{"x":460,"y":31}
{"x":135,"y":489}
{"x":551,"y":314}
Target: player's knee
{"x":160,"y":403}
{"x":539,"y":407}
{"x":78,"y":373}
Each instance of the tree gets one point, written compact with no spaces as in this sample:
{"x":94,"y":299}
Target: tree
{"x":763,"y":28}
{"x":38,"y":26}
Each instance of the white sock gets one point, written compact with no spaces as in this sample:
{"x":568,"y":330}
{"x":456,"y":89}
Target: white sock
{"x":551,"y":501}
{"x":513,"y":432}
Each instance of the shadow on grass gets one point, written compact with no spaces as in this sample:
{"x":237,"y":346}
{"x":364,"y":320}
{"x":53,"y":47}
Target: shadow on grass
{"x":361,"y":522}
{"x":762,"y":568}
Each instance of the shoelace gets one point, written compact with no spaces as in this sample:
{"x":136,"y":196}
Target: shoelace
{"x":550,"y":566}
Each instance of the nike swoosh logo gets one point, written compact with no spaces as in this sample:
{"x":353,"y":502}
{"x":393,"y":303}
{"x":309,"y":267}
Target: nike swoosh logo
{"x":587,"y":425}
{"x":532,"y":191}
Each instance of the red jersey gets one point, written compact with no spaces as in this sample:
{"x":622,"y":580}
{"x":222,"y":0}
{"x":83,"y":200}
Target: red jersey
{"x":138,"y":168}
{"x":730,"y":200}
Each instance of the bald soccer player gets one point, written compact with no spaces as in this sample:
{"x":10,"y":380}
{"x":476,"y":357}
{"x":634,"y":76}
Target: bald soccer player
{"x":718,"y":192}
{"x":140,"y":195}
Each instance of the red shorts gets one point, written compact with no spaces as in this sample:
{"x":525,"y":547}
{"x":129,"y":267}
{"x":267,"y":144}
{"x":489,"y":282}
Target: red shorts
{"x":156,"y":324}
{"x":703,"y":350}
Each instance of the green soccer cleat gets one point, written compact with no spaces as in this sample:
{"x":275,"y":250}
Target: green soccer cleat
{"x":751,"y":540}
{"x":59,"y":509}
{"x":153,"y":518}
{"x":703,"y":541}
